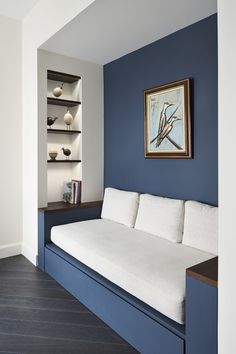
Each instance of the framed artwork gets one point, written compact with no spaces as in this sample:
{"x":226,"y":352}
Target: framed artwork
{"x":167,"y":121}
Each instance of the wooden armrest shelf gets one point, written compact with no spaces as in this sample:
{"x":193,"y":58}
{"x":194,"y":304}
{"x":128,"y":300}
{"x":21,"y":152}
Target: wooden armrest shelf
{"x":60,"y":206}
{"x":205,"y":271}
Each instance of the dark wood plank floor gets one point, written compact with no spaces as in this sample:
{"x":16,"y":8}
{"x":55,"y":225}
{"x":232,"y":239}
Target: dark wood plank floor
{"x":38,"y":316}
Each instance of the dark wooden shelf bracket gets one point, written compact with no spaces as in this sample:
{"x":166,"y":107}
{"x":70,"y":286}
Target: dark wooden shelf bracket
{"x":57,"y":76}
{"x":62,"y":102}
{"x":63,"y":131}
{"x":63,"y":161}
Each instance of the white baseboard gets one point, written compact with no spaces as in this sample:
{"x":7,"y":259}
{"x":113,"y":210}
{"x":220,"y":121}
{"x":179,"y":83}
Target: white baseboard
{"x":12,"y":249}
{"x":29,"y":253}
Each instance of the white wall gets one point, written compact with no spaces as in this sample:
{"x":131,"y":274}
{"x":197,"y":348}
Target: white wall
{"x":90,"y":118}
{"x":45,"y":19}
{"x":11,"y":140}
{"x":227,"y":175}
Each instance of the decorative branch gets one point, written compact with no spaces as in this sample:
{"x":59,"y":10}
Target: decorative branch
{"x":174,"y":143}
{"x":173,"y":113}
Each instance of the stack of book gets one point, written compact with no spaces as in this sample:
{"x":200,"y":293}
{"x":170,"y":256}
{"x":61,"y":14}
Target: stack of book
{"x":72,"y":191}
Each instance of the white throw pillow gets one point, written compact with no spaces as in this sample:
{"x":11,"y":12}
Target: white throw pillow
{"x":201,"y":226}
{"x":162,"y":217}
{"x":120,"y":206}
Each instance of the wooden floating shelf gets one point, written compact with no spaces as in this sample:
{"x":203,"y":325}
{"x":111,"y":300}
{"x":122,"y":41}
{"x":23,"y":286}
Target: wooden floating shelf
{"x":57,"y":76}
{"x":61,"y":102}
{"x":62,"y":161}
{"x":63,"y":131}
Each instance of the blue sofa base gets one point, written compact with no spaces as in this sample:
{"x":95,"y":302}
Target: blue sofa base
{"x":144,"y":328}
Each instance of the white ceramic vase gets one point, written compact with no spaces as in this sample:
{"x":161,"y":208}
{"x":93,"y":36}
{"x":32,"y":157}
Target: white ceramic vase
{"x":68,"y":119}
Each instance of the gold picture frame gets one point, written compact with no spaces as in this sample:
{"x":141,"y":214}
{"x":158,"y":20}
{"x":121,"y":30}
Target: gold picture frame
{"x":167,"y":123}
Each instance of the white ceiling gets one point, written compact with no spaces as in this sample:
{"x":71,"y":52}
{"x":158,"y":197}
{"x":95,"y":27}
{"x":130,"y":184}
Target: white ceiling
{"x":16,"y":9}
{"x":109,"y":29}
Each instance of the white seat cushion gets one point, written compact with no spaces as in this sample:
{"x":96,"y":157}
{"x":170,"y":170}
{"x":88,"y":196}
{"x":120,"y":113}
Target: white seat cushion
{"x":146,"y":266}
{"x":201,"y":226}
{"x":163,"y":217}
{"x":120,"y":206}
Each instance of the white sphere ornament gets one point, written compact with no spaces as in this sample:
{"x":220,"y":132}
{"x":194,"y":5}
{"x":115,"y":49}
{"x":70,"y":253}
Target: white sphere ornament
{"x":68,"y":119}
{"x":57,"y":91}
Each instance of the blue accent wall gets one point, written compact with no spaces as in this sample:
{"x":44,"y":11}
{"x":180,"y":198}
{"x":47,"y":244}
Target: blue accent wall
{"x":190,"y":52}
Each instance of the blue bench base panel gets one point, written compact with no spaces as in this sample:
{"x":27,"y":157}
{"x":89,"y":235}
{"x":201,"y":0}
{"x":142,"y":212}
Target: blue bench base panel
{"x":173,"y":326}
{"x":144,"y":333}
{"x":201,"y":317}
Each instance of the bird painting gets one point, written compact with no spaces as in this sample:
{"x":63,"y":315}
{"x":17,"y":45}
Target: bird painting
{"x":66,"y":152}
{"x":167,"y":121}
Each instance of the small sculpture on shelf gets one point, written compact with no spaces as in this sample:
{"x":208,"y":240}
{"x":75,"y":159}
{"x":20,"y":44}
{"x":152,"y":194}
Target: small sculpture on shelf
{"x":51,"y":121}
{"x":66,"y":152}
{"x":53,"y":154}
{"x":68,"y":119}
{"x":57,"y":91}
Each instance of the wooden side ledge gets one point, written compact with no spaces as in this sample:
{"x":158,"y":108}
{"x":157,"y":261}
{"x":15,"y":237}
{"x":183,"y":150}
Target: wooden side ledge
{"x":206,"y":272}
{"x":62,"y":206}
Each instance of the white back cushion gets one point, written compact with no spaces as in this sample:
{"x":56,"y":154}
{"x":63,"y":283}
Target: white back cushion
{"x":201,"y":226}
{"x":120,"y":206}
{"x":162,"y":217}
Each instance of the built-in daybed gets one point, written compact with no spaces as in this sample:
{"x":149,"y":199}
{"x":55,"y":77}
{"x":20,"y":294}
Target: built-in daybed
{"x":129,"y":266}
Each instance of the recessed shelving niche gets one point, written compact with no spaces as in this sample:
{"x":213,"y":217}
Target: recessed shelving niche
{"x":58,"y":135}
